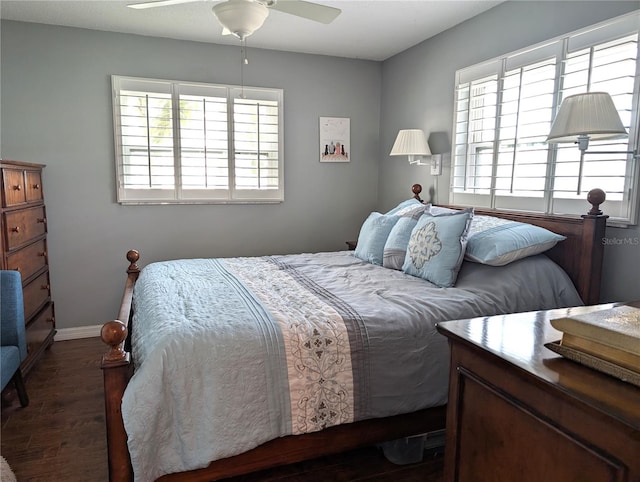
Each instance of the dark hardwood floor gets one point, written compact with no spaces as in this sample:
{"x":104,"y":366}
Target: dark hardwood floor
{"x":60,"y":436}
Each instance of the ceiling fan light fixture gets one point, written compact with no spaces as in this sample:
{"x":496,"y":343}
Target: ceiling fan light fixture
{"x":241,"y":17}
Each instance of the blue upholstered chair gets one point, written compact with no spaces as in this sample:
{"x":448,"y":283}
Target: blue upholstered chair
{"x":13,"y":342}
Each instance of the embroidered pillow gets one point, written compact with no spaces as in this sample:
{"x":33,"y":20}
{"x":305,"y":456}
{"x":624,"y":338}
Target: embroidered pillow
{"x":496,"y":242}
{"x":395,"y":249}
{"x":373,"y":235}
{"x":436,"y":247}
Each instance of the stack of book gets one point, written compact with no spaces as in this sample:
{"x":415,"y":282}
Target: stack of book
{"x":606,"y":340}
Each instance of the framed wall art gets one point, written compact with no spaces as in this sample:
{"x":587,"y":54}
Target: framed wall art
{"x":335,"y":144}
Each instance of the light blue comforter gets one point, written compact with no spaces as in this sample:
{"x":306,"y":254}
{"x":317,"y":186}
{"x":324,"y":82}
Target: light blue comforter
{"x":231,"y":353}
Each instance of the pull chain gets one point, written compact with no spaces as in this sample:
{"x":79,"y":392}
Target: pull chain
{"x":243,"y":61}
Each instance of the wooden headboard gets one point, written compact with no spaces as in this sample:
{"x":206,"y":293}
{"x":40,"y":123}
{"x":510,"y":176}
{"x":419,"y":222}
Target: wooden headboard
{"x":580,"y":255}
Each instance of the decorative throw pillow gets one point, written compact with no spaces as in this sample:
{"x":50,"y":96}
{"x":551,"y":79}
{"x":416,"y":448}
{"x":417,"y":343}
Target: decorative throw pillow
{"x":496,"y":242}
{"x":395,"y":249}
{"x":412,"y":203}
{"x":436,"y":247}
{"x":373,"y":235}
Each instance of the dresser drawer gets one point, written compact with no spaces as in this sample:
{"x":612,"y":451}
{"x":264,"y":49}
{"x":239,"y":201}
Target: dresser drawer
{"x":13,"y":189}
{"x":24,"y":225}
{"x":33,"y":186}
{"x":29,"y":259}
{"x":36,"y":294}
{"x":39,"y":329}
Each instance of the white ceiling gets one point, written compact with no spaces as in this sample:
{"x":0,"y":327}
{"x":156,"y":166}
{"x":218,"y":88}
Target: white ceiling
{"x":366,"y":29}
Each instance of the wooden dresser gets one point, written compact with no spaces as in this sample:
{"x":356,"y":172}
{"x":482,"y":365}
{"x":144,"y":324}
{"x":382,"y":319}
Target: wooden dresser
{"x":24,"y":248}
{"x":519,"y":412}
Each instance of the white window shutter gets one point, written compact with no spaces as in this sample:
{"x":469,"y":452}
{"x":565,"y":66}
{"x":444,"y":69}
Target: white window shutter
{"x":187,"y":142}
{"x":510,"y":165}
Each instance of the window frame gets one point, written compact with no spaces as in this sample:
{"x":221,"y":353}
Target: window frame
{"x":624,"y":212}
{"x":178,"y":194}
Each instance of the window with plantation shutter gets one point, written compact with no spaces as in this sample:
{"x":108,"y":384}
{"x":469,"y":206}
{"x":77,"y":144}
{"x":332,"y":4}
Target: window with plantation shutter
{"x":256,"y":144}
{"x":504,"y":109}
{"x":179,"y":142}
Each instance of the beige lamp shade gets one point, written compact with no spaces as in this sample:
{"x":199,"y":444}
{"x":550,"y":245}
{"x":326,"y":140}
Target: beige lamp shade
{"x":412,"y":142}
{"x":592,"y":114}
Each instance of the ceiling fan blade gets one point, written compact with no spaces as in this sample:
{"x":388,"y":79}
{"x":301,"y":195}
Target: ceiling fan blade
{"x":160,"y":3}
{"x":309,"y":10}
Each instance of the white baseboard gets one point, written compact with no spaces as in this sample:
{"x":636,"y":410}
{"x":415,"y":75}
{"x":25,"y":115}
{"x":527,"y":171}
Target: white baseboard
{"x":76,"y":333}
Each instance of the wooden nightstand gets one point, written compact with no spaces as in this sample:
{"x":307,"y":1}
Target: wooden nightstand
{"x":519,"y":412}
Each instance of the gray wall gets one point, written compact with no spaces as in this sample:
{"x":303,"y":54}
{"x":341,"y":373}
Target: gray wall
{"x":56,"y":110}
{"x":417,"y":92}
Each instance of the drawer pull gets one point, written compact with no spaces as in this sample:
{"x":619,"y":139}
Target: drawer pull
{"x":42,"y":220}
{"x":44,"y":287}
{"x":17,"y":187}
{"x":36,"y":186}
{"x":51,"y":319}
{"x":15,"y":229}
{"x":42,"y":253}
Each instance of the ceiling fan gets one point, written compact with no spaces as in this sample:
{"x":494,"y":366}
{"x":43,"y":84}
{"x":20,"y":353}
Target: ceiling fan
{"x":243,"y":17}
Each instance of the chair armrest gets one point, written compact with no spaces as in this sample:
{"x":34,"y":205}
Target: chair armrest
{"x":12,"y":330}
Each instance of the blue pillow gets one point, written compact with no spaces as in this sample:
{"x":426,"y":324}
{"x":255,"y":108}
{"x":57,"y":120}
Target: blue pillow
{"x":373,"y":235}
{"x":436,"y":247}
{"x":496,"y":242}
{"x":395,"y":249}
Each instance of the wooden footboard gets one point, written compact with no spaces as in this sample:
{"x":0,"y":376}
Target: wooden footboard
{"x":580,"y":255}
{"x":117,"y":369}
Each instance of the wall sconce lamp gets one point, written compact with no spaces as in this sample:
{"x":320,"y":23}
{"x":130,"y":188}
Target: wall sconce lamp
{"x":412,"y":143}
{"x":582,"y":117}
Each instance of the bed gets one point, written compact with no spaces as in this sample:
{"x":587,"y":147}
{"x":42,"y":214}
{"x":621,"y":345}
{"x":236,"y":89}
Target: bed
{"x":399,"y":392}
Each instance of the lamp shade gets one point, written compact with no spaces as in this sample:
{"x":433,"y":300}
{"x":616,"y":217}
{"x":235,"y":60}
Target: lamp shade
{"x":592,"y":114}
{"x":241,"y":17}
{"x":410,"y":142}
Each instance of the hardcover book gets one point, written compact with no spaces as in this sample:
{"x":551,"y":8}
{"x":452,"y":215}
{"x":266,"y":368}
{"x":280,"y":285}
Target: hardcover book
{"x":612,"y":335}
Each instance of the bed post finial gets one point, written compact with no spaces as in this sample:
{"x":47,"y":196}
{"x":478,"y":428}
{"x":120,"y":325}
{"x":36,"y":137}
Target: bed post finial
{"x":416,"y":189}
{"x":113,"y":333}
{"x":133,"y":256}
{"x":595,"y":197}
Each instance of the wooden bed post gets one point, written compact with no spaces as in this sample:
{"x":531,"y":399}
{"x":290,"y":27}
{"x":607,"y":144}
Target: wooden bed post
{"x":590,"y":269}
{"x":117,"y":370}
